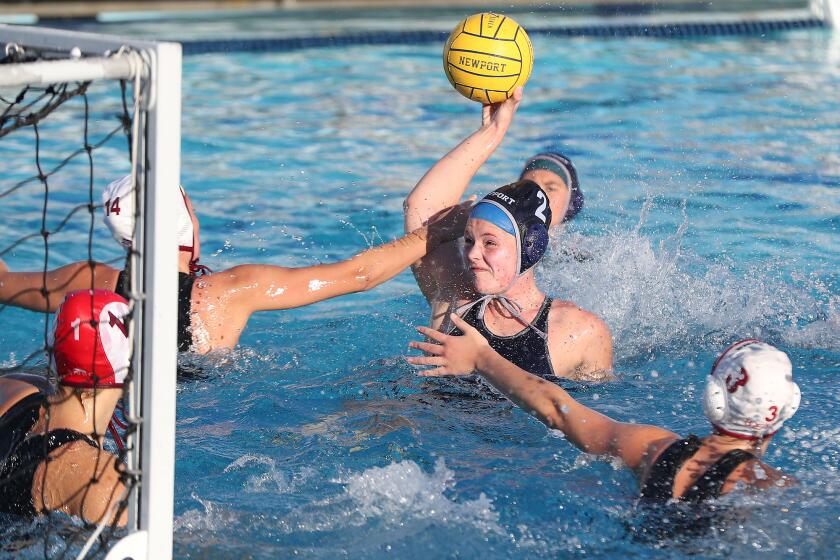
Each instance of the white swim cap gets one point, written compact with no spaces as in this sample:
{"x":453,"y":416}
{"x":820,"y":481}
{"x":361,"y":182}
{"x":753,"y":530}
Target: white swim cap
{"x":118,"y":205}
{"x":750,"y":392}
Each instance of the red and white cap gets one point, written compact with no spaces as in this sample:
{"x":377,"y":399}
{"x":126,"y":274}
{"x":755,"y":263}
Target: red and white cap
{"x":750,"y":392}
{"x":90,"y":340}
{"x":118,"y":207}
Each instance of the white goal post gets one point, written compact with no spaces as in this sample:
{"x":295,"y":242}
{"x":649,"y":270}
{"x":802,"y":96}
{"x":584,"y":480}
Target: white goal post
{"x":151,"y":398}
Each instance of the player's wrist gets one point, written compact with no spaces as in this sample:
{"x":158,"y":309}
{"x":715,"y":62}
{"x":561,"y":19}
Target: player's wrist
{"x":483,"y":358}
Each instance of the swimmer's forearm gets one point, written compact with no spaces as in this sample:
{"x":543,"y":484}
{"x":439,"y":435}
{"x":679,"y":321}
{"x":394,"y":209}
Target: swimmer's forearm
{"x":550,"y":404}
{"x":381,"y":263}
{"x":444,"y":184}
{"x":36,"y":292}
{"x":265,"y":287}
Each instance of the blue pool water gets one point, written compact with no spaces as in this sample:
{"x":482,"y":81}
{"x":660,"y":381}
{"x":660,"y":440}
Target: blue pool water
{"x":712,"y":174}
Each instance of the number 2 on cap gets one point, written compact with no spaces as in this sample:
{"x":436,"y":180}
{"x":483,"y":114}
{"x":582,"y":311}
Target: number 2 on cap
{"x":540,"y":212}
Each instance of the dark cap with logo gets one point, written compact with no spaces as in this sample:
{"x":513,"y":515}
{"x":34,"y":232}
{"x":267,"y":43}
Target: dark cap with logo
{"x":522,"y":210}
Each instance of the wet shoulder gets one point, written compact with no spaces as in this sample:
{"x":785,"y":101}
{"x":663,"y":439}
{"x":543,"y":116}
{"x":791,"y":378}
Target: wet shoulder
{"x":568,"y":318}
{"x":758,"y":476}
{"x":12,"y":391}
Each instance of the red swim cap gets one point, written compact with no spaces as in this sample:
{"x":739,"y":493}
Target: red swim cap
{"x":90,"y":340}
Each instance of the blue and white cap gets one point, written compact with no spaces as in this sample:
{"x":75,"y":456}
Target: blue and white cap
{"x":520,"y":209}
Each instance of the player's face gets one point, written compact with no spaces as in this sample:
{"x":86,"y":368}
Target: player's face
{"x":556,"y":189}
{"x":490,"y":256}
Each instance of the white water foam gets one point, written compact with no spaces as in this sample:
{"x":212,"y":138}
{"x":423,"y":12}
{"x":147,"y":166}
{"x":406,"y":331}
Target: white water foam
{"x":400,"y":495}
{"x":270,"y":480}
{"x":212,"y":517}
{"x":403,"y":489}
{"x":664,"y":296}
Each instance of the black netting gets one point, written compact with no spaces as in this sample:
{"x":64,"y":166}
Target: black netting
{"x":59,"y":145}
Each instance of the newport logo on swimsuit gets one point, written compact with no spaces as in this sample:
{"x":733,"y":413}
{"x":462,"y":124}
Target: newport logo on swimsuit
{"x":503,"y":197}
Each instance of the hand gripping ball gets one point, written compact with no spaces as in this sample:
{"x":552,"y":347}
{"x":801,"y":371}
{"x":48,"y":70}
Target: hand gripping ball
{"x":487,"y":56}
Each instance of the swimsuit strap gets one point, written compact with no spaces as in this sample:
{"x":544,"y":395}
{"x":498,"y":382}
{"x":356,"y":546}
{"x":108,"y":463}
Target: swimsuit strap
{"x":511,"y":306}
{"x":711,"y":483}
{"x":17,"y":421}
{"x":123,"y":287}
{"x":196,"y":269}
{"x":659,"y":486}
{"x":185,"y":288}
{"x":541,"y":320}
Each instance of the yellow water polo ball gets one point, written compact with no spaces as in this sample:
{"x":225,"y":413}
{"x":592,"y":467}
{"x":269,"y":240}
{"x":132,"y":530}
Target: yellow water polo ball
{"x":487,"y":56}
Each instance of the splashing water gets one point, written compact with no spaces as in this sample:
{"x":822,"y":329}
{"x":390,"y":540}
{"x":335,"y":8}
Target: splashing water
{"x":656,"y":297}
{"x":402,"y":490}
{"x":270,"y":480}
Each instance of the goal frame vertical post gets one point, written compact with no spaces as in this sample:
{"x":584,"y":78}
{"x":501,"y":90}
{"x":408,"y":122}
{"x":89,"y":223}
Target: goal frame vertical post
{"x":159,"y":362}
{"x":158,"y":179}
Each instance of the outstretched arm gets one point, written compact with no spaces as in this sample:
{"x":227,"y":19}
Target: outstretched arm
{"x":29,"y":290}
{"x":266,"y":287}
{"x":444,"y":185}
{"x":588,"y":430}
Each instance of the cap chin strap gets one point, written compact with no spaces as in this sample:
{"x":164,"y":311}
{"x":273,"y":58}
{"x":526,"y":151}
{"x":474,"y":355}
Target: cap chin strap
{"x":196,"y":269}
{"x":115,"y":434}
{"x":508,"y":304}
{"x":723,"y":432}
{"x":112,"y":427}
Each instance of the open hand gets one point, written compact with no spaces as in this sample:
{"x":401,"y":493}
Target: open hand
{"x":449,"y":223}
{"x":453,"y":355}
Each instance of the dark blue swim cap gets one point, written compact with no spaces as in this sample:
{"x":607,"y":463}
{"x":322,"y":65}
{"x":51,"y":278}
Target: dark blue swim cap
{"x":561,"y":166}
{"x":521,"y":207}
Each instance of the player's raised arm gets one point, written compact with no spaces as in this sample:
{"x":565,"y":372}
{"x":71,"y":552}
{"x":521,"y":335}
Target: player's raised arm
{"x":439,"y":273}
{"x":444,"y":184}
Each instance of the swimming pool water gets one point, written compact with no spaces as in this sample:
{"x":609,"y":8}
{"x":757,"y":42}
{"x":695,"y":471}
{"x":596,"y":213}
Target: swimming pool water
{"x":712,"y":174}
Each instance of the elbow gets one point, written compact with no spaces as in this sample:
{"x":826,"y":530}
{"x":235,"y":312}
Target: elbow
{"x":363,"y":278}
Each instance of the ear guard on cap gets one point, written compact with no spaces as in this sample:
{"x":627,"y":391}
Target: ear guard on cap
{"x":534,"y":244}
{"x":714,"y":400}
{"x":526,"y":205}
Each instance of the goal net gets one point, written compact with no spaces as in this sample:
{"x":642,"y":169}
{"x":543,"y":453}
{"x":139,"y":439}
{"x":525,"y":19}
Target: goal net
{"x":78,"y":111}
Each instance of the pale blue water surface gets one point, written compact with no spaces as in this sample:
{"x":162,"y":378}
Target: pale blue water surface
{"x":712,"y":174}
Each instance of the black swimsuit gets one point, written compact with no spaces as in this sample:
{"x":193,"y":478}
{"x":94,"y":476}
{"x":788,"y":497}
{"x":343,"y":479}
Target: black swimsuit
{"x":21,"y":456}
{"x":526,"y":349}
{"x":185,"y":287}
{"x":659,"y":486}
